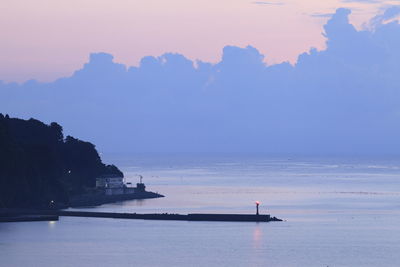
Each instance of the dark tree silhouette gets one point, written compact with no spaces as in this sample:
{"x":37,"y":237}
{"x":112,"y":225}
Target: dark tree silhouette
{"x":37,"y":165}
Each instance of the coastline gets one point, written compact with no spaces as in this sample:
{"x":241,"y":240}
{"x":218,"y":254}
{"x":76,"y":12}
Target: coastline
{"x":100,"y":199}
{"x":31,"y":214}
{"x":28,"y":218}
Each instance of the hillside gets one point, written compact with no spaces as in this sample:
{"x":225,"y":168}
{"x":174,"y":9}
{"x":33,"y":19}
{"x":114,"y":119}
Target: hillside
{"x":38,"y":165}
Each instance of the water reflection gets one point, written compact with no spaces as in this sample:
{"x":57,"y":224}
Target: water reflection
{"x":257,"y":236}
{"x":135,"y":202}
{"x":52,"y":224}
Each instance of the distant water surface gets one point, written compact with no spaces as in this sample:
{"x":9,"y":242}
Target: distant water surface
{"x":337,"y":212}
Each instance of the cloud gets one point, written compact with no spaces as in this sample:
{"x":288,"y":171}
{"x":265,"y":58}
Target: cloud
{"x":322,"y":15}
{"x":344,"y":99}
{"x":268,"y":3}
{"x":363,"y":1}
{"x":390,"y":14}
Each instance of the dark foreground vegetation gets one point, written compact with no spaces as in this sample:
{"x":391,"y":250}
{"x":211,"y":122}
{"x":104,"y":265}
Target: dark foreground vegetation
{"x":39,"y":168}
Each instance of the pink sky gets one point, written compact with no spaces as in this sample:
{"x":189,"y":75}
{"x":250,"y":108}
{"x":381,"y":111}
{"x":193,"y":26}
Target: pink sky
{"x":48,"y":39}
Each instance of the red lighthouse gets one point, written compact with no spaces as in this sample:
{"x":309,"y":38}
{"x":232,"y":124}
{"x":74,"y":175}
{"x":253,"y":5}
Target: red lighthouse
{"x":257,"y":204}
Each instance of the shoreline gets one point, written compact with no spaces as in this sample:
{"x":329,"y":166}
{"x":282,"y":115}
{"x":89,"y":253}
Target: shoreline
{"x":85,"y":200}
{"x":100,"y":199}
{"x":28,"y":218}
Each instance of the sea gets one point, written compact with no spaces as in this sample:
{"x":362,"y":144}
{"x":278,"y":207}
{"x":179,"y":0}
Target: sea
{"x":335,"y":212}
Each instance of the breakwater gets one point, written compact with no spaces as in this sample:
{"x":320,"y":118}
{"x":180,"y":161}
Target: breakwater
{"x":158,"y":216}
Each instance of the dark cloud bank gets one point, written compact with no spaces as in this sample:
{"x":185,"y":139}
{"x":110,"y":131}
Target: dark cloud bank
{"x":342,"y":100}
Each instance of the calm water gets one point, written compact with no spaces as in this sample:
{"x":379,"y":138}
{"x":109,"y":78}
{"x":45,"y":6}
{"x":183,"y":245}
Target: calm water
{"x":338,"y":212}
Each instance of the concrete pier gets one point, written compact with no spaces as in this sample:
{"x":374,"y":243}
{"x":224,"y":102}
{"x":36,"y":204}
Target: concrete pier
{"x":158,"y":216}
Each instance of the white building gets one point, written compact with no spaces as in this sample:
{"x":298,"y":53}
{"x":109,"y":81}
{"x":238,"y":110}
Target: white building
{"x":112,"y":184}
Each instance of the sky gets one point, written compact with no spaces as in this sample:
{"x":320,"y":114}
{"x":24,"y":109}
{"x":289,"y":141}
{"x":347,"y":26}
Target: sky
{"x":342,"y":99}
{"x":49,"y":39}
